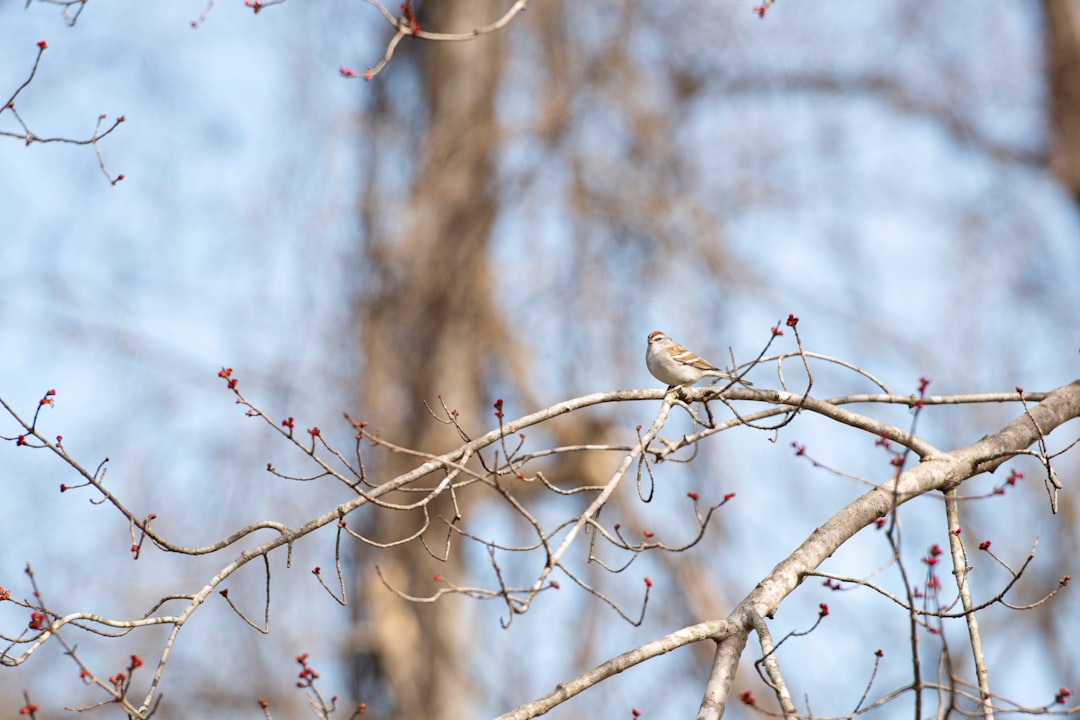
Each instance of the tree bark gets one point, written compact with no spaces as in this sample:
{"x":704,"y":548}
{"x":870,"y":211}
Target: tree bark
{"x":428,"y":329}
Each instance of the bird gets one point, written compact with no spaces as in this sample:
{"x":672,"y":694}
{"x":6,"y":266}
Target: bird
{"x":673,"y":364}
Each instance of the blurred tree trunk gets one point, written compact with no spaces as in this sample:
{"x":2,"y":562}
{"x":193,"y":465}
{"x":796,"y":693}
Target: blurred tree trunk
{"x":1062,"y":42}
{"x":427,"y":329}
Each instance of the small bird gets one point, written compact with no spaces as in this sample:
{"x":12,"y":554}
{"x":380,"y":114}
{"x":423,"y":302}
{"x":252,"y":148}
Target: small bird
{"x":673,"y":364}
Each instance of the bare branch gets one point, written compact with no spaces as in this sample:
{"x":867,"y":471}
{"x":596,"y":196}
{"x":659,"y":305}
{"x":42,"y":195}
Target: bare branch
{"x":711,"y":630}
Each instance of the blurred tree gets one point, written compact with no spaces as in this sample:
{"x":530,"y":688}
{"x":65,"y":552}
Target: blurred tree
{"x":533,"y":202}
{"x":428,"y":327}
{"x":1062,"y":47}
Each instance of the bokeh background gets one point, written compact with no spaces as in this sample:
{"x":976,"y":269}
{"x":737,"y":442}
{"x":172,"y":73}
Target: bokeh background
{"x":509,"y":218}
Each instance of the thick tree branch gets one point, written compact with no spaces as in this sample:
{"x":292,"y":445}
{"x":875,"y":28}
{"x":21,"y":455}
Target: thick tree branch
{"x":936,"y":472}
{"x":713,"y":629}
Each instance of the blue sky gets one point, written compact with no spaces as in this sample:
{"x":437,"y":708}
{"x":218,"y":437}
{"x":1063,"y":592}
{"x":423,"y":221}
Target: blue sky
{"x":902,"y":247}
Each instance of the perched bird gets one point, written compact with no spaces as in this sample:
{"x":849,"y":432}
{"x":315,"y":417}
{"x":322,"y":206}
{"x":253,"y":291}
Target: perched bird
{"x":673,"y":364}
